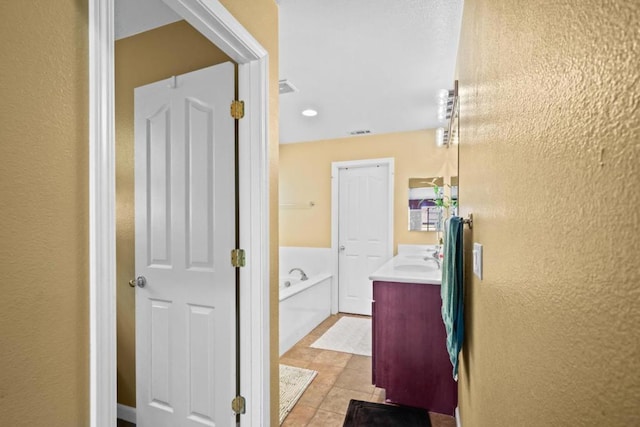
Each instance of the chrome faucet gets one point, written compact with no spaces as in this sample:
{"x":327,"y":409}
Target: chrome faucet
{"x":303,"y":276}
{"x":435,"y":256}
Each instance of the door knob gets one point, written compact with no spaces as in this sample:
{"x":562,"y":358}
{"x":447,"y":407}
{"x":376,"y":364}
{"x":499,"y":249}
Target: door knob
{"x":139,"y":281}
{"x":342,"y":248}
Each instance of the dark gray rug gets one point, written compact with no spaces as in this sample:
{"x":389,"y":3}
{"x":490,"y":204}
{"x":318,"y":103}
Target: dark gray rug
{"x":369,"y":414}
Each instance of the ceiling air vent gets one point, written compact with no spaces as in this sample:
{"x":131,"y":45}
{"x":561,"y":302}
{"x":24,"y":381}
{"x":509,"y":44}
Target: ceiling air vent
{"x":360,"y":132}
{"x":286,"y":87}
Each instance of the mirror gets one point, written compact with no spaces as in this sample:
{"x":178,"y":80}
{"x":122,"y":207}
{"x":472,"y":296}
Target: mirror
{"x":424,"y":212}
{"x":454,"y":195}
{"x":433,"y":199}
{"x":430,"y":201}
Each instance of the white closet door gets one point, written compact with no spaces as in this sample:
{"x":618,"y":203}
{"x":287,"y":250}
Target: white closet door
{"x":185,"y":222}
{"x":363,"y":233}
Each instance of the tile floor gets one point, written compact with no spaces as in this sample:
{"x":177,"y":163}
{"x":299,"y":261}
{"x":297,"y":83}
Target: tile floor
{"x":341,"y":377}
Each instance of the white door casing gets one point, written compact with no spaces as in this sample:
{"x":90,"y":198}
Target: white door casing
{"x":364,"y":228}
{"x":185,"y":222}
{"x":216,"y":23}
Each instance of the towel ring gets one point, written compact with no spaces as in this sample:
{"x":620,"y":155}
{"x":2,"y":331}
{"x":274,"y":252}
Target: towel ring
{"x":468,"y":221}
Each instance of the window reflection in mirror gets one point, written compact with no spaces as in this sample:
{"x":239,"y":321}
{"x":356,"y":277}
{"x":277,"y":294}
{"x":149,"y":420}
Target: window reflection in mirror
{"x":424,"y":214}
{"x":453,"y":185}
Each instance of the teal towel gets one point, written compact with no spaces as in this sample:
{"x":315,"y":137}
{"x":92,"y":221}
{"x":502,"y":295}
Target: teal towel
{"x":451,"y":291}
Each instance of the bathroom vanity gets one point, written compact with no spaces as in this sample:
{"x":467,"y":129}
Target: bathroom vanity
{"x":410,"y":359}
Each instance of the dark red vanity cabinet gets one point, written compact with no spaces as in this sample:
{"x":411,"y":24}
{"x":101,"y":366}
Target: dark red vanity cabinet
{"x":410,"y":359}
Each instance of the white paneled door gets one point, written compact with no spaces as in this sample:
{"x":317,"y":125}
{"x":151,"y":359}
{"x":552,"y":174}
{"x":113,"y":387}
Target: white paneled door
{"x":185,"y":231}
{"x":363,"y":233}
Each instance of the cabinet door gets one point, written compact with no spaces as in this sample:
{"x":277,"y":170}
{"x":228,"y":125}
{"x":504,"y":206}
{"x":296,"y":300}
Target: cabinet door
{"x":410,"y":357}
{"x":373,"y":342}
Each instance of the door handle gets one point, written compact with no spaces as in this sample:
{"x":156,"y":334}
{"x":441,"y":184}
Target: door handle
{"x":139,"y":281}
{"x":342,"y":248}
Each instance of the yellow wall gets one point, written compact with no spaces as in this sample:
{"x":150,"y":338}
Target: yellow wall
{"x":44,"y":312}
{"x":305,"y":175}
{"x":141,"y":59}
{"x":44,"y":186}
{"x":550,"y":168}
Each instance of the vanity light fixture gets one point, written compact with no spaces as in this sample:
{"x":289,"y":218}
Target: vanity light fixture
{"x":440,"y":137}
{"x":444,"y":98}
{"x":447,"y":106}
{"x":309,"y":112}
{"x":443,"y":94}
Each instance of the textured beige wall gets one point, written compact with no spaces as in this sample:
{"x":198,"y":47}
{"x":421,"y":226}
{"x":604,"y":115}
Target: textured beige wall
{"x":141,"y":59}
{"x":550,"y":168}
{"x":44,"y":309}
{"x":305,"y":175}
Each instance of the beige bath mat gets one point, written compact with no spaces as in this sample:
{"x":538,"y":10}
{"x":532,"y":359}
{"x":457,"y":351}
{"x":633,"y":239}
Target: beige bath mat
{"x":348,"y":335}
{"x":293,"y":382}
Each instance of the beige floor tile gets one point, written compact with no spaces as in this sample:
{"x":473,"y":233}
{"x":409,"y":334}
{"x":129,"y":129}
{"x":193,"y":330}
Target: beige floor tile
{"x":361,"y":363}
{"x":307,"y":341}
{"x":357,"y":380}
{"x":314,"y":394}
{"x":334,"y":358}
{"x":341,"y":377}
{"x":327,"y":374}
{"x":441,"y":420}
{"x":326,"y":324}
{"x":326,"y":419}
{"x":294,"y":362}
{"x":338,"y":399}
{"x":302,"y":353}
{"x":378,"y":395}
{"x":299,"y":416}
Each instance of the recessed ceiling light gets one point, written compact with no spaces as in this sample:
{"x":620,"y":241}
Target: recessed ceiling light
{"x":309,"y":112}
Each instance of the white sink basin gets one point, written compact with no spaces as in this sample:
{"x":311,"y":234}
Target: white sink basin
{"x":409,"y":268}
{"x":415,"y":267}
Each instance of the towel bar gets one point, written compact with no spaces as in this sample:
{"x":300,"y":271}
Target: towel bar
{"x":468,"y":221}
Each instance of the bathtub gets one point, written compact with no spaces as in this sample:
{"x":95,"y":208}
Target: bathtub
{"x":304,"y":304}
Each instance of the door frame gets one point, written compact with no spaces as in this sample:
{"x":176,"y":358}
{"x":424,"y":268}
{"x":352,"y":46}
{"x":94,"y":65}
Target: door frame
{"x":335,"y":213}
{"x":211,"y":19}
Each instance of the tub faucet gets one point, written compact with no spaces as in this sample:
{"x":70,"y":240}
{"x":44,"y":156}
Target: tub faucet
{"x":435,"y":256}
{"x":303,"y":276}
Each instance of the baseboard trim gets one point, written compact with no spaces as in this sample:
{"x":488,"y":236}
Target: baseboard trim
{"x":127,"y":413}
{"x":458,"y":420}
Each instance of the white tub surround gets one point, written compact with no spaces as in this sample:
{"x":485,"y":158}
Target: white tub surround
{"x":296,"y":285}
{"x":304,"y":304}
{"x":410,"y":266}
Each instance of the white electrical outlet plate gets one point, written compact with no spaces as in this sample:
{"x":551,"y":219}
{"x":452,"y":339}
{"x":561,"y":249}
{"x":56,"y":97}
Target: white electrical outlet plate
{"x":477,"y":260}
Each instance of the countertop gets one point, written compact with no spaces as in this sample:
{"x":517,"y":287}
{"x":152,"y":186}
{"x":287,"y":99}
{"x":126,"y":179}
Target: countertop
{"x":409,"y":268}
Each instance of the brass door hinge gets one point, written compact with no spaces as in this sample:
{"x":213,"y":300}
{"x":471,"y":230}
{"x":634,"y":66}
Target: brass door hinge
{"x":237,"y":109}
{"x":238,"y":405}
{"x":237,"y":258}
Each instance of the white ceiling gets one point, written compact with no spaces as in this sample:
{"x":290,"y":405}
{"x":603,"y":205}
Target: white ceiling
{"x":365,"y":64}
{"x":362,"y":64}
{"x":137,"y":16}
